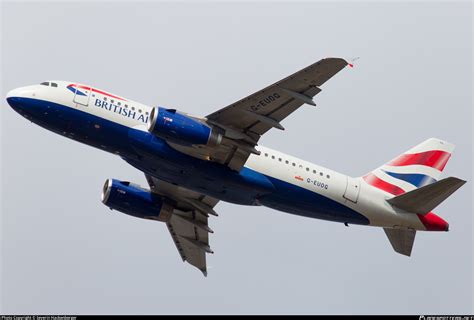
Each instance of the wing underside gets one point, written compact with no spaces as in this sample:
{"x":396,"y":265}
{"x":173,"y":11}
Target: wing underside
{"x":188,"y":225}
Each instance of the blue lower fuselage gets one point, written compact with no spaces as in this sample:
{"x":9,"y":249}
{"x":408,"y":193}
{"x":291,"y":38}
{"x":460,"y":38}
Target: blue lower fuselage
{"x":155,"y":157}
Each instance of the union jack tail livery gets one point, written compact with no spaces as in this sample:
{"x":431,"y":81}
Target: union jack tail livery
{"x":419,"y":166}
{"x":412,"y":179}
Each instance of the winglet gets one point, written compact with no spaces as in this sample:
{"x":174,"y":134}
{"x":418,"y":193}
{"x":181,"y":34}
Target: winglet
{"x":351,"y":64}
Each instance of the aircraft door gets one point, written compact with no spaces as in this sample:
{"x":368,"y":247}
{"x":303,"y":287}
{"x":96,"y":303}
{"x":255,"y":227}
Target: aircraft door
{"x":352,"y":189}
{"x":82,"y":94}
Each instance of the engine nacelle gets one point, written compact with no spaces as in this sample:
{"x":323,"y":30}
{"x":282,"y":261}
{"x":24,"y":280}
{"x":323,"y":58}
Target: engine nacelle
{"x":181,"y":129}
{"x":132,"y":200}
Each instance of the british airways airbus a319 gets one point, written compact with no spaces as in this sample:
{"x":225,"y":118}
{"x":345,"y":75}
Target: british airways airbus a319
{"x":191,"y":162}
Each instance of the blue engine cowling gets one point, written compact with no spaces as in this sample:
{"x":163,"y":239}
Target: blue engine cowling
{"x":135,"y":201}
{"x":182,"y":129}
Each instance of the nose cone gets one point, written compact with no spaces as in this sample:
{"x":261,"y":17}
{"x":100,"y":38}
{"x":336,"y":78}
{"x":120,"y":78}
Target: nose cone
{"x":16,"y":96}
{"x":13,"y":98}
{"x":18,"y":92}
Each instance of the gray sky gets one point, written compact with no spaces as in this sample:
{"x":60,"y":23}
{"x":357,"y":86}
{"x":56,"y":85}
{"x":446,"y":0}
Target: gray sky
{"x":63,"y":251}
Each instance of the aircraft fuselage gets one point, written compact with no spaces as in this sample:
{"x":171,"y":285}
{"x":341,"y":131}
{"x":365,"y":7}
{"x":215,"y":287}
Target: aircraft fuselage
{"x":273,"y":179}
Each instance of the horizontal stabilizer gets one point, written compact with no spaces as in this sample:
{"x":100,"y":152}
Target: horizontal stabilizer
{"x":401,"y":239}
{"x":426,"y":198}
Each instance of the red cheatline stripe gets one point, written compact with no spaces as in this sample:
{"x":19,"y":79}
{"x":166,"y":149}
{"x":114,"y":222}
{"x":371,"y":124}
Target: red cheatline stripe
{"x":97,"y":91}
{"x":298,"y":178}
{"x":436,"y":159}
{"x":375,"y":181}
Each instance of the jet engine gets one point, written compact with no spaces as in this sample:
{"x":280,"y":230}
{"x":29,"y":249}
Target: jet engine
{"x":131,"y":199}
{"x":182,"y":129}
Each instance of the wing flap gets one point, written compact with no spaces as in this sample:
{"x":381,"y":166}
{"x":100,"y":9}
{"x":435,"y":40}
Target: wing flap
{"x":182,"y":232}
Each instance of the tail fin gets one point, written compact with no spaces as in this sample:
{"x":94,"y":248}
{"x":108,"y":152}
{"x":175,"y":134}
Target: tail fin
{"x":419,"y":166}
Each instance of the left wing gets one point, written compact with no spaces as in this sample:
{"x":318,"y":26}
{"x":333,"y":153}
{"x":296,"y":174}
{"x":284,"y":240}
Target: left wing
{"x":188,"y":224}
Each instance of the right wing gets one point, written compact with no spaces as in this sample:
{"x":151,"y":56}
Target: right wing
{"x":245,"y":121}
{"x":259,"y":112}
{"x":188,"y":224}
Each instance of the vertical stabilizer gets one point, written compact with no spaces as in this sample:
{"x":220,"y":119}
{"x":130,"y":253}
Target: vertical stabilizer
{"x":419,"y":166}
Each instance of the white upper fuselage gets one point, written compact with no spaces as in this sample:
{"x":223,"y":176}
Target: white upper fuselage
{"x":350,"y":192}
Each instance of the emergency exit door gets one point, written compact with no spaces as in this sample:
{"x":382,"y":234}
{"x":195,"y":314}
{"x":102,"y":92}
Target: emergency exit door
{"x":352,"y":189}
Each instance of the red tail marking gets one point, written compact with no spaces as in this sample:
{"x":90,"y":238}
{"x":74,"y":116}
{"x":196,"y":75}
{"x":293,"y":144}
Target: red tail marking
{"x":375,"y":181}
{"x":435,"y":159}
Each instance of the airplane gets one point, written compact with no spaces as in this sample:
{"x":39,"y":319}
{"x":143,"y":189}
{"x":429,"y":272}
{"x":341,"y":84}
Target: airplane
{"x":191,"y":162}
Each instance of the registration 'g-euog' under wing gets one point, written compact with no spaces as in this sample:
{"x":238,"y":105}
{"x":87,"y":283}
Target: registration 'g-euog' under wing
{"x":188,"y":225}
{"x":248,"y":119}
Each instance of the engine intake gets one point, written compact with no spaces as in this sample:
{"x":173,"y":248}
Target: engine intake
{"x":130,"y":199}
{"x":182,"y":129}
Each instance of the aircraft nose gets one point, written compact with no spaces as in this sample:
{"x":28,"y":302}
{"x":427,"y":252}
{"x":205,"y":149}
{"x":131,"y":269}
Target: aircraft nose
{"x":14,"y":97}
{"x":14,"y":93}
{"x":13,"y":102}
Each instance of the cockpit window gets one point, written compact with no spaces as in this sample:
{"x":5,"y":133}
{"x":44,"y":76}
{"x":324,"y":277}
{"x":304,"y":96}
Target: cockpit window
{"x":52,"y":84}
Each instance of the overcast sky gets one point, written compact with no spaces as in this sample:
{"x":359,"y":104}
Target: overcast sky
{"x":63,"y":251}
